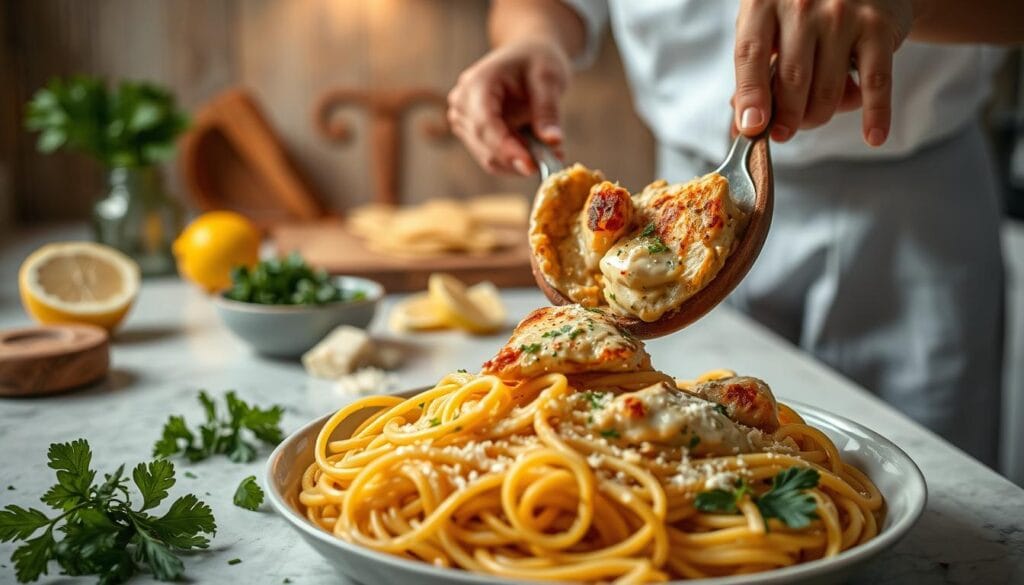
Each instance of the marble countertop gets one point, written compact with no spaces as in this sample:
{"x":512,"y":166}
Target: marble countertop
{"x":172,"y":345}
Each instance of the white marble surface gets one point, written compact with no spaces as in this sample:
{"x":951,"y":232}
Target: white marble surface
{"x":972,"y":530}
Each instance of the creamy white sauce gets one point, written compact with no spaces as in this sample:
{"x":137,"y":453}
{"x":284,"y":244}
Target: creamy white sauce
{"x":669,"y":416}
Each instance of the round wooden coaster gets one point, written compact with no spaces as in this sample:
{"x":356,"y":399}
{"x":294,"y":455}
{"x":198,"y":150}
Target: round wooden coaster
{"x":35,"y":361}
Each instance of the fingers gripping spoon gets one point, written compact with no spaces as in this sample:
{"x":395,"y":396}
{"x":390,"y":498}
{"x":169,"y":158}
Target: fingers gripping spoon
{"x":748,"y":169}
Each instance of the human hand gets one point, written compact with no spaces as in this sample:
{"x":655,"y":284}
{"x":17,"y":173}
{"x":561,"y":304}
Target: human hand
{"x":817,"y":42}
{"x":514,"y":85}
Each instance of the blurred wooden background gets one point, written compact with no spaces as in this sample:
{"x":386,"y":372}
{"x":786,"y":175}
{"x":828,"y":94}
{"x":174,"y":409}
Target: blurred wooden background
{"x":287,"y":52}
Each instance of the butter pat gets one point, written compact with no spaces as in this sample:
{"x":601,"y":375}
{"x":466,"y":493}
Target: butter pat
{"x":342,"y":352}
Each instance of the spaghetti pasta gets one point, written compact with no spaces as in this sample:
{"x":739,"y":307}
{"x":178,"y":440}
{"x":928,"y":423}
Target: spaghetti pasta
{"x":524,"y":478}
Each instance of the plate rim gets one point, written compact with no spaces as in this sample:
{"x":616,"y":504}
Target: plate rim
{"x":915,"y":483}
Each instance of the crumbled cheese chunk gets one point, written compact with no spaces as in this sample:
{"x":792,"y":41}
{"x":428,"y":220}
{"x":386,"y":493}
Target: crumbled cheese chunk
{"x":342,"y":352}
{"x":366,"y":381}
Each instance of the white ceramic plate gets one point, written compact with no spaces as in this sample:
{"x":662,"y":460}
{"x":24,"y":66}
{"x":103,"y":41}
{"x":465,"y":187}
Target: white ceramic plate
{"x":895,"y":474}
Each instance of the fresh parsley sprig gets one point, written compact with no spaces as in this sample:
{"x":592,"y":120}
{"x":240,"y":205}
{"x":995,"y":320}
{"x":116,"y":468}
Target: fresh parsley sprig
{"x":786,"y":500}
{"x":102,"y":533}
{"x":221,"y":435}
{"x":249,"y":494}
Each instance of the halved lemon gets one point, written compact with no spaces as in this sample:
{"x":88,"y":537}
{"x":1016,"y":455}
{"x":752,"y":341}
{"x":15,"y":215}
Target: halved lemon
{"x":417,"y":313}
{"x":78,"y":282}
{"x":452,"y":299}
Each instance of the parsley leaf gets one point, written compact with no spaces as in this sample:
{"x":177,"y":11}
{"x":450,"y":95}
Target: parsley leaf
{"x":648,"y":230}
{"x":17,"y":523}
{"x":249,"y":495}
{"x":716,"y":501}
{"x":720,"y":409}
{"x":102,"y":534}
{"x":530,"y":348}
{"x":74,"y":478}
{"x":787,"y":500}
{"x":221,"y":435}
{"x":657,"y":246}
{"x":31,"y":558}
{"x":153,"y":480}
{"x":435,"y":422}
{"x":610,"y":434}
{"x":694,"y":441}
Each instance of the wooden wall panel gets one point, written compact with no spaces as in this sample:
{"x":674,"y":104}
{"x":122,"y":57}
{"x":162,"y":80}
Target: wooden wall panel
{"x":287,"y":52}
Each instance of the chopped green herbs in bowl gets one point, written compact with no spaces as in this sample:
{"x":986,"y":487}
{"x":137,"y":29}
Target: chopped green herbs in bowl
{"x":287,"y":281}
{"x":283,"y":307}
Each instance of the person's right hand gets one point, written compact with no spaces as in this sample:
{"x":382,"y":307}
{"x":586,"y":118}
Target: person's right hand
{"x":512,"y":86}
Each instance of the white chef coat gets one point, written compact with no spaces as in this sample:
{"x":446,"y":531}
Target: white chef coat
{"x":884,"y":263}
{"x":678,"y":55}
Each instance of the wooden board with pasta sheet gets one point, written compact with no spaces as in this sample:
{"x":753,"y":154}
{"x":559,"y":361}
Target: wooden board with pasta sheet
{"x":331,"y":246}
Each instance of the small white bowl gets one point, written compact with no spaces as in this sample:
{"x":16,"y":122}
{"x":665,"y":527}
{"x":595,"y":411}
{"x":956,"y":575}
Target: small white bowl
{"x":893,"y":471}
{"x":290,"y":330}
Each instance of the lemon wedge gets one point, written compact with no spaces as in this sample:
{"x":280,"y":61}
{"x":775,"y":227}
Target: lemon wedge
{"x":449,"y":303}
{"x":417,"y":313}
{"x":487,"y":298}
{"x":452,"y":299}
{"x":78,"y":282}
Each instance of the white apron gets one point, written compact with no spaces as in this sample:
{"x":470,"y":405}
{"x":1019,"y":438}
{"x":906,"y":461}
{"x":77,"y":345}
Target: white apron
{"x":891,"y":272}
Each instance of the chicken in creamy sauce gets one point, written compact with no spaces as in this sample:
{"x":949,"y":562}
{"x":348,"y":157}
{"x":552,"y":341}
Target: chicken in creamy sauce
{"x":641,"y":255}
{"x":724,"y":416}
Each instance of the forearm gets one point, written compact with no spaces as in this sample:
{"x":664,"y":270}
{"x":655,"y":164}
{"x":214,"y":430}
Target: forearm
{"x":968,"y":21}
{"x":547,"y":20}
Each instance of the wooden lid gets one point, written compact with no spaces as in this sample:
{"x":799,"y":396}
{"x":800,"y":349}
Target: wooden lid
{"x":35,"y":361}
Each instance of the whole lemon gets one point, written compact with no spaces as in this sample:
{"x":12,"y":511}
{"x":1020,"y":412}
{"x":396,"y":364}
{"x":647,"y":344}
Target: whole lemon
{"x":213,"y":244}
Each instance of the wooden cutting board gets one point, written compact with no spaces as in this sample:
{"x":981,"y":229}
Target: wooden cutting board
{"x":330,"y":246}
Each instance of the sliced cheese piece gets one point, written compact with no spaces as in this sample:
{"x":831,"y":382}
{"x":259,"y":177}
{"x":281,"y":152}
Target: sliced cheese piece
{"x":342,"y":352}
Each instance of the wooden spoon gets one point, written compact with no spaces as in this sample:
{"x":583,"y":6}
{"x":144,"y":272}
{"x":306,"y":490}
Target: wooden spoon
{"x":748,"y":168}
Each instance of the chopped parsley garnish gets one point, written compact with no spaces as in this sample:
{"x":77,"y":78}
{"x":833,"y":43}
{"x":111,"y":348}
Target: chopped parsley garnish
{"x":234,"y":561}
{"x":657,"y":246}
{"x":462,"y":371}
{"x":420,"y":405}
{"x":611,"y":295}
{"x":530,"y":347}
{"x":594,"y":310}
{"x":610,"y":434}
{"x":557,"y":332}
{"x":221,"y":435}
{"x":434,"y":422}
{"x":191,"y":475}
{"x":720,"y":409}
{"x":249,"y":495}
{"x":287,"y":281}
{"x":102,"y":533}
{"x":575,"y":333}
{"x":694,"y":441}
{"x":596,"y":399}
{"x":786,"y":500}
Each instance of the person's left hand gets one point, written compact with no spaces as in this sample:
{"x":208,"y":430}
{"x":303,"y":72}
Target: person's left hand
{"x":817,"y":42}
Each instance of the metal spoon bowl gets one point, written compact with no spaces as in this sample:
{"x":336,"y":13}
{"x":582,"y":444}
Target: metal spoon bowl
{"x":748,"y":168}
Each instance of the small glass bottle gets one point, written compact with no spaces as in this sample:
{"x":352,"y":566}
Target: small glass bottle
{"x":138,"y":217}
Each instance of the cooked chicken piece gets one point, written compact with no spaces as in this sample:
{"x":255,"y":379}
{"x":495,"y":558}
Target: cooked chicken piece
{"x":557,"y":238}
{"x":661,"y":413}
{"x":747,"y":400}
{"x":686,"y":231}
{"x":607,"y":216}
{"x":569,"y":340}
